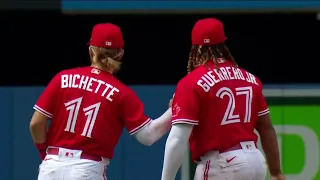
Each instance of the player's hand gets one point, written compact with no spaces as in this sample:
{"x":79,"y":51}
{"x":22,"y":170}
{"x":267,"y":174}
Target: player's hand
{"x":278,"y":177}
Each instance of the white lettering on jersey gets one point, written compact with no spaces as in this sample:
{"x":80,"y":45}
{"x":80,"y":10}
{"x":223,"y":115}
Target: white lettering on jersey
{"x":88,"y":83}
{"x":213,"y":77}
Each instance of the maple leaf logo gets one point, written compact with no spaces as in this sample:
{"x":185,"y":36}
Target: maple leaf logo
{"x":175,"y":110}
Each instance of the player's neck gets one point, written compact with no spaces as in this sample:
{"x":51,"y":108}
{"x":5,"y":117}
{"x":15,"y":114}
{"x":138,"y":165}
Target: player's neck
{"x":101,"y":68}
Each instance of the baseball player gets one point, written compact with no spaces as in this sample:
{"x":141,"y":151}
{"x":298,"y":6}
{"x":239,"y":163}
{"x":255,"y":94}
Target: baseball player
{"x":216,"y":107}
{"x":89,"y":108}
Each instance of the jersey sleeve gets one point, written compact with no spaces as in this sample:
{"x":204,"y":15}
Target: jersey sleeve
{"x":46,"y":102}
{"x":185,"y":105}
{"x":262,"y":104}
{"x":133,"y":113}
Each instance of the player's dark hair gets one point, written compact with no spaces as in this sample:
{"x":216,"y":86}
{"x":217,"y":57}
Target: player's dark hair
{"x":200,"y":55}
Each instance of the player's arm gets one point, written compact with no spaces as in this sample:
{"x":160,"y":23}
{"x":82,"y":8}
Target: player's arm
{"x":43,"y":112}
{"x":269,"y":143}
{"x":155,"y":130}
{"x":38,"y":130}
{"x":146,"y":130}
{"x":184,"y":117}
{"x":268,"y":136}
{"x":176,"y":147}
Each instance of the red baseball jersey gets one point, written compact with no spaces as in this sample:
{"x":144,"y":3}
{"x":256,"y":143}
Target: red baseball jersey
{"x":223,"y":105}
{"x":89,"y":109}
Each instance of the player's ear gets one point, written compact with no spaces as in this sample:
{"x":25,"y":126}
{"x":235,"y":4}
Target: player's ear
{"x":92,"y":52}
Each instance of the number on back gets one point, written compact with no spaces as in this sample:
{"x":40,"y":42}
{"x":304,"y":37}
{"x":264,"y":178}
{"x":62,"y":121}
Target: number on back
{"x":91,"y":112}
{"x":229,"y":115}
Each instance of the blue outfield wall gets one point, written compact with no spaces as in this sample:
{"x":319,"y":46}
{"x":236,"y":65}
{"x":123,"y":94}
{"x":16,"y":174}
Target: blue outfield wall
{"x":20,"y":159}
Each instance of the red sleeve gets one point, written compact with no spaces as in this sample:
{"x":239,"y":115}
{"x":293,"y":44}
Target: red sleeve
{"x":46,"y":101}
{"x":185,"y":105}
{"x":133,"y":113}
{"x":262,"y":104}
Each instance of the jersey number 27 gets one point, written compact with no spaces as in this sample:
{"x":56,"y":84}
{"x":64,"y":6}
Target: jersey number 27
{"x":91,"y":112}
{"x":229,"y":115}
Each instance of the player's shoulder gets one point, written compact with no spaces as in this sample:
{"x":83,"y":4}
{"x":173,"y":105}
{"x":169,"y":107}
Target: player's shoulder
{"x":75,"y":70}
{"x":190,"y":80}
{"x":71,"y":71}
{"x":57,"y":76}
{"x":255,"y":76}
{"x":125,"y":88}
{"x":187,"y":80}
{"x":128,"y":94}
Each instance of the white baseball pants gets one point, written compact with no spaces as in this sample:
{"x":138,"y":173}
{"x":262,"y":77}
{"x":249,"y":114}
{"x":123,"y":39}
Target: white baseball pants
{"x":60,"y":167}
{"x":247,"y":163}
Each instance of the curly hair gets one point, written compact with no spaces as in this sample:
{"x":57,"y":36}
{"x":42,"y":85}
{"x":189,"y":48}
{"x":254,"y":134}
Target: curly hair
{"x":110,"y":58}
{"x":200,"y":55}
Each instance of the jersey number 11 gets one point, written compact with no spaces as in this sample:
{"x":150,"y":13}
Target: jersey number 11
{"x":91,"y":112}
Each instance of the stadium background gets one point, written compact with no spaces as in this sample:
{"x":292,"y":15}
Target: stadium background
{"x":277,"y":41}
